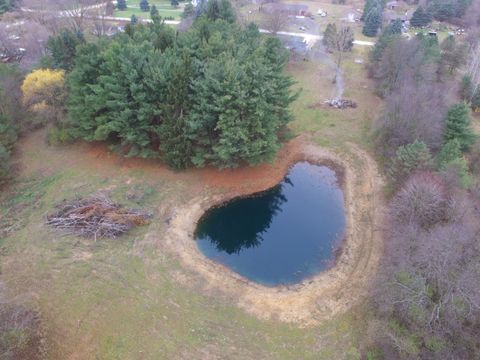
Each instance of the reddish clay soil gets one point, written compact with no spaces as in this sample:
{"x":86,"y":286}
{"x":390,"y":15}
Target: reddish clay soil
{"x":98,"y":158}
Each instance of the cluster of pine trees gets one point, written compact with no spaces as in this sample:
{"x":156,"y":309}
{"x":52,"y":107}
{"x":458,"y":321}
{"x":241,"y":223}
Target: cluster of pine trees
{"x":11,"y":116}
{"x":215,"y":94}
{"x":441,"y":10}
{"x":447,"y":10}
{"x":372,"y":17}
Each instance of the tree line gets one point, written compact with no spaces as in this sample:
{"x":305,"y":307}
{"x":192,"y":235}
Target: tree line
{"x":425,"y":296}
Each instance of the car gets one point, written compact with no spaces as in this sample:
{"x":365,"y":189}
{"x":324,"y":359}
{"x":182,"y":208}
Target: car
{"x":302,"y":28}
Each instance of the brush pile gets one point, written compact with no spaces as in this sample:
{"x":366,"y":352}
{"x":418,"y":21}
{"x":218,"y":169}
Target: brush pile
{"x":341,"y":103}
{"x":96,"y":217}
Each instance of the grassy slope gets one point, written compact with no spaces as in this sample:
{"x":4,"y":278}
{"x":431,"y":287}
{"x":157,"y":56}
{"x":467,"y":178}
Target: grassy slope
{"x":121,"y":299}
{"x":124,"y":298}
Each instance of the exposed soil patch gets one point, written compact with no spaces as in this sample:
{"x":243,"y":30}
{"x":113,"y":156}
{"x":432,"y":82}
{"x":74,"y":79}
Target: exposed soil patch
{"x":321,"y":296}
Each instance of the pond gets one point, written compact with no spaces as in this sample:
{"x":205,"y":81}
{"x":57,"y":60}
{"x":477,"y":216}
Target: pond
{"x":283,"y":235}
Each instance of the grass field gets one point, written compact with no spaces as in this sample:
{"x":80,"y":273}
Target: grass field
{"x":125,"y":298}
{"x":164,"y":8}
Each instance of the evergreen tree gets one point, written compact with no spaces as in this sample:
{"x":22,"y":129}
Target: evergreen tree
{"x":475,"y":102}
{"x":11,"y":116}
{"x":220,"y":9}
{"x":201,"y":8}
{"x":195,"y":102}
{"x":389,"y":34}
{"x":329,"y":36}
{"x":466,"y":88}
{"x":175,"y":144}
{"x":188,"y":11}
{"x":373,"y":22}
{"x":447,"y":10}
{"x":459,"y":126}
{"x":84,"y":106}
{"x":449,"y":152}
{"x":369,"y":4}
{"x":394,"y":28}
{"x":410,"y":158}
{"x":5,"y":5}
{"x":155,"y":15}
{"x":420,"y":17}
{"x":62,"y":48}
{"x":121,"y":4}
{"x":430,"y":47}
{"x":144,"y":5}
{"x":154,"y":11}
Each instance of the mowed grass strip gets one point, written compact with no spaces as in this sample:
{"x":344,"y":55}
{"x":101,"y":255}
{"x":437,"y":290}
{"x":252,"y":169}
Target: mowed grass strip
{"x":164,"y":8}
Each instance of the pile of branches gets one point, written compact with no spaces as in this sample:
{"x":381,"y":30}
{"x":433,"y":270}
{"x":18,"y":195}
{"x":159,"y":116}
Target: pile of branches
{"x":96,"y":217}
{"x":341,"y":103}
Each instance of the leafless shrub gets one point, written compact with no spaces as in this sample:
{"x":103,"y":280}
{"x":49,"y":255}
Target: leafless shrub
{"x":391,"y":342}
{"x":421,"y":201}
{"x":403,"y":61}
{"x":426,"y":294}
{"x":413,"y":112}
{"x":21,"y":335}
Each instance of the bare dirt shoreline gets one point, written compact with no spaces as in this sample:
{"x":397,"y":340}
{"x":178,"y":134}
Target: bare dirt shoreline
{"x":317,"y":298}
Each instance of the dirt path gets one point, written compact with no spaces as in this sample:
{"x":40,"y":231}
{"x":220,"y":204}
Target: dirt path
{"x":317,"y":298}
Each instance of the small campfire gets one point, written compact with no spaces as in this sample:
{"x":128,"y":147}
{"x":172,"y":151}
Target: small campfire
{"x":96,"y":217}
{"x":341,"y":103}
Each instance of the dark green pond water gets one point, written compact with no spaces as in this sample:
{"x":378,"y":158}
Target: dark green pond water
{"x":280,"y":236}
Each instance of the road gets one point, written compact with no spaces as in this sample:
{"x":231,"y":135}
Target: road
{"x":309,"y":39}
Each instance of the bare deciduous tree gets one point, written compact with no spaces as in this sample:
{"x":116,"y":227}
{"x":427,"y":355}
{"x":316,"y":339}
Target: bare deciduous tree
{"x":23,"y":41}
{"x":403,"y":61}
{"x":412,"y":112}
{"x":426,"y":293}
{"x":421,"y":202}
{"x":58,"y":14}
{"x":338,"y":41}
{"x":76,"y":12}
{"x":261,"y":3}
{"x":473,"y":67}
{"x":275,"y":21}
{"x":471,"y":19}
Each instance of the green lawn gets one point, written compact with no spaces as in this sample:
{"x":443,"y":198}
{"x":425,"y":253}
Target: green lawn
{"x":164,"y":8}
